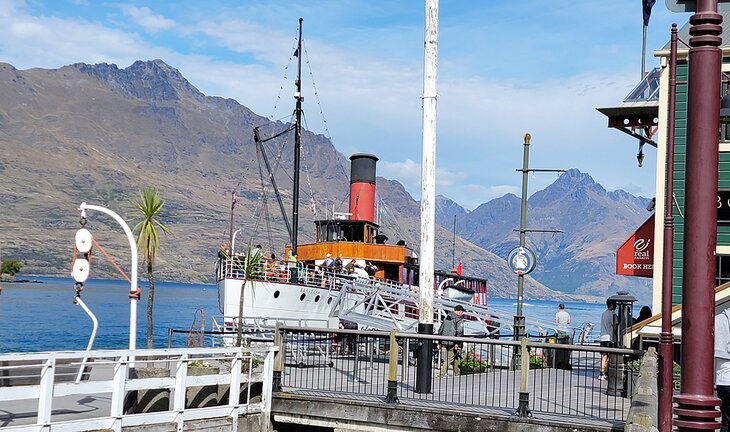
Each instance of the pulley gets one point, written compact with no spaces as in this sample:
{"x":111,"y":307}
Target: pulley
{"x":80,"y":270}
{"x":83,"y":240}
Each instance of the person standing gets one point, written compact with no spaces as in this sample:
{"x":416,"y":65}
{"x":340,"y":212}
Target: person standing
{"x":453,"y":325}
{"x":562,"y":319}
{"x":608,"y":335}
{"x":722,"y":366}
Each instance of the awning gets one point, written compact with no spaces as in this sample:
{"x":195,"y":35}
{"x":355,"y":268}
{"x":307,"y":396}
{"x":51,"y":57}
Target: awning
{"x":635,"y":257}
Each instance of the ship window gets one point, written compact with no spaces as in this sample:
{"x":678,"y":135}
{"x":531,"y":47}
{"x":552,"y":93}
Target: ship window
{"x":276,"y":294}
{"x":316,"y":299}
{"x":301,"y":297}
{"x":329,"y":300}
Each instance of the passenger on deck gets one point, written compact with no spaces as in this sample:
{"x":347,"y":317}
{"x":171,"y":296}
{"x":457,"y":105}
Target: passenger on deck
{"x":380,"y":238}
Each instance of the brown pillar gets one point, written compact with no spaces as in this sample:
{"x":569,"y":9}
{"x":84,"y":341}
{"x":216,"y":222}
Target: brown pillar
{"x":696,"y":405}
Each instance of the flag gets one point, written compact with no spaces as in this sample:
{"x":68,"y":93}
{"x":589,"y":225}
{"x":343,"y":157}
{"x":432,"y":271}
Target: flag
{"x":296,"y":51}
{"x":233,"y":200}
{"x":459,"y":268}
{"x":648,"y":4}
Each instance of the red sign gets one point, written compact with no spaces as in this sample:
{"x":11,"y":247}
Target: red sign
{"x":635,"y":257}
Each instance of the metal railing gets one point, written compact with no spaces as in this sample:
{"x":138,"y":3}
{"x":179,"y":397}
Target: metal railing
{"x":525,"y":376}
{"x":38,"y":392}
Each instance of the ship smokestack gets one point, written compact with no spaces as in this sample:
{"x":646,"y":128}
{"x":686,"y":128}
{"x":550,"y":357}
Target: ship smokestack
{"x":362,"y":186}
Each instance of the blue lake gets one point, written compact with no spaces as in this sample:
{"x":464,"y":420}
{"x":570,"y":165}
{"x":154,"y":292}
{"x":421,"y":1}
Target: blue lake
{"x":42,"y":316}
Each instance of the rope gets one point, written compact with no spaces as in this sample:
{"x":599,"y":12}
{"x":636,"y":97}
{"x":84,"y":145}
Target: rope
{"x":133,"y":294}
{"x":286,"y":69}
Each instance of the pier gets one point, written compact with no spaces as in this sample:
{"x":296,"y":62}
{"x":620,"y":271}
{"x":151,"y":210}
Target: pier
{"x":319,"y":380}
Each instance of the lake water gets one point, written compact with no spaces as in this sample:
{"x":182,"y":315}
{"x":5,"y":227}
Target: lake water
{"x":42,"y":316}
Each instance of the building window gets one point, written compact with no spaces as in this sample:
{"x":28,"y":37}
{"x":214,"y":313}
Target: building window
{"x":722,"y":263}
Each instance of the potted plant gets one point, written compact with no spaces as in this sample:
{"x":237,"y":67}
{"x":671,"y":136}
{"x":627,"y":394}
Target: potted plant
{"x":537,"y":361}
{"x":471,"y":362}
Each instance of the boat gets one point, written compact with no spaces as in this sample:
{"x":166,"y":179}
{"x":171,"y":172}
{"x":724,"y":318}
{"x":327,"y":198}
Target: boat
{"x":373,"y":285}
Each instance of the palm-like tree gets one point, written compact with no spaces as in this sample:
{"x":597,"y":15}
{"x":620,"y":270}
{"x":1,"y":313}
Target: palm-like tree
{"x":149,"y":205}
{"x":251,"y":267}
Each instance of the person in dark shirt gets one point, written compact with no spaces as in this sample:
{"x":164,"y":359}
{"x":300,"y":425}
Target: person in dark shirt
{"x":381,"y":238}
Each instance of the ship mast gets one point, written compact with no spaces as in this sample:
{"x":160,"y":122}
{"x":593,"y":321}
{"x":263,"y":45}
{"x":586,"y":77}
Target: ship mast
{"x":297,"y":142}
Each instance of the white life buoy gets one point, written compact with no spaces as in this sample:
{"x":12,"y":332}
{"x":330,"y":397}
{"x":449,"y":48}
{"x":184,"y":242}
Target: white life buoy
{"x":83,"y":240}
{"x":80,"y":270}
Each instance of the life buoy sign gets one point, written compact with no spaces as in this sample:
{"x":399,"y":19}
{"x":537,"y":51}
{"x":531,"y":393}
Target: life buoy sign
{"x":521,"y":260}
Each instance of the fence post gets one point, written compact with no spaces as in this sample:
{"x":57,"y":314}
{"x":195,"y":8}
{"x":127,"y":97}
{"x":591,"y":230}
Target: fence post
{"x":45,"y":390}
{"x":278,"y":360}
{"x":392,"y":396}
{"x":523,"y":409}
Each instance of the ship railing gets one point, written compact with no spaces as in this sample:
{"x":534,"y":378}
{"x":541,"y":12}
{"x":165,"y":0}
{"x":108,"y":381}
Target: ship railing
{"x":520,"y":376}
{"x":190,"y":388}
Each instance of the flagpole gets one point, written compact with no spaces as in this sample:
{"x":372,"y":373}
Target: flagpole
{"x":643,"y":54}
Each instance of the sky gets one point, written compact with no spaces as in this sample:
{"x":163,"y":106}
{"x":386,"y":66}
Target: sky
{"x":506,"y":67}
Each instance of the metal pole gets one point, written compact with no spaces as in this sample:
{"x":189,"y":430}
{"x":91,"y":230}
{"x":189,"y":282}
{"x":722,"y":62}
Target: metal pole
{"x":666,"y":347}
{"x":519,"y":318}
{"x":696,"y":404}
{"x":230,"y":227}
{"x":428,"y":195}
{"x":297,"y":145}
{"x":453,"y":246}
{"x":643,"y":54}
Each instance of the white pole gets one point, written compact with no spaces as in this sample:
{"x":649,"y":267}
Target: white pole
{"x":233,"y":242}
{"x":133,"y":282}
{"x":428,"y":165}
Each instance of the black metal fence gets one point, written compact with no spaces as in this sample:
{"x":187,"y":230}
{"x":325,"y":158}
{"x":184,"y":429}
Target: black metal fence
{"x":551,"y":378}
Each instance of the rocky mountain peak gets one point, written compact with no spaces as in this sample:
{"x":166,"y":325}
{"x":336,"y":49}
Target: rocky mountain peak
{"x":151,"y":81}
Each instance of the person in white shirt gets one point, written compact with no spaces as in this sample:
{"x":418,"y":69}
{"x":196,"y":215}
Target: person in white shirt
{"x":608,"y":334}
{"x":722,"y":366}
{"x":562,"y":319}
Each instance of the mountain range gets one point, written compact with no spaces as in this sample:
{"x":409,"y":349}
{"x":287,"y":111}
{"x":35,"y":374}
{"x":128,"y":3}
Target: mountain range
{"x":99,"y":134}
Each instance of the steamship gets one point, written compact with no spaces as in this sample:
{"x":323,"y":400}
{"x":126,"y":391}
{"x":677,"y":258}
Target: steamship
{"x":309,"y":294}
{"x":302,"y":291}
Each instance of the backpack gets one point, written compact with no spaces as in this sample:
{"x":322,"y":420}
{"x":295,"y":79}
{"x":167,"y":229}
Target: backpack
{"x":448,"y":327}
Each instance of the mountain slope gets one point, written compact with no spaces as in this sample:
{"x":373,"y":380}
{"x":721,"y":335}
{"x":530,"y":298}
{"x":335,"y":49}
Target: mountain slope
{"x":581,"y":260}
{"x":97,"y":133}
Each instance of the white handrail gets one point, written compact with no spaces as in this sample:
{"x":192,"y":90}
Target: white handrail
{"x":110,"y":378}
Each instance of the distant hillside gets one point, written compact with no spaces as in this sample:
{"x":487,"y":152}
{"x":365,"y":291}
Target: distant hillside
{"x":97,"y":133}
{"x":582,"y":259}
{"x":446,"y":209}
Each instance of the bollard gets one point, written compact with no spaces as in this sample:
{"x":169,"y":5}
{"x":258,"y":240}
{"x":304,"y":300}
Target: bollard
{"x":523,"y":409}
{"x":616,"y":375}
{"x":392,"y":396}
{"x":278,"y":360}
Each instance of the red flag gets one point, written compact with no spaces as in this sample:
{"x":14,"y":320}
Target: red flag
{"x":459,"y":268}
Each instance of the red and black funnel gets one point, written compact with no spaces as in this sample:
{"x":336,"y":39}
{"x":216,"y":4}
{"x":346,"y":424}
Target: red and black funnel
{"x":362,"y":186}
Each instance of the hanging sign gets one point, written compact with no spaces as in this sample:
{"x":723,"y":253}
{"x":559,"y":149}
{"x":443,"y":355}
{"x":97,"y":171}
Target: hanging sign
{"x":521,"y":260}
{"x":635,"y":257}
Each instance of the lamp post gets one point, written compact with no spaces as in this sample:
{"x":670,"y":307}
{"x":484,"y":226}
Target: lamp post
{"x":666,"y":338}
{"x":696,"y":404}
{"x":133,"y":278}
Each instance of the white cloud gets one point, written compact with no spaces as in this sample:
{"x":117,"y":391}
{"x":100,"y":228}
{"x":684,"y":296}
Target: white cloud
{"x":370,"y":88}
{"x":144,"y":17}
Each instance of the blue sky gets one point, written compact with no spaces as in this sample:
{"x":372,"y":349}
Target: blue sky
{"x":506,"y":67}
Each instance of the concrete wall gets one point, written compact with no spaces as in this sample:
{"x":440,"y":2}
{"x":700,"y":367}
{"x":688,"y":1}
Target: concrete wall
{"x":644,"y":402}
{"x":312,"y":413}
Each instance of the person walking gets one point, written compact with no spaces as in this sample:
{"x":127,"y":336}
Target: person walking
{"x":722,"y":366}
{"x":562,"y":319}
{"x":453,"y":325}
{"x":608,"y":334}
